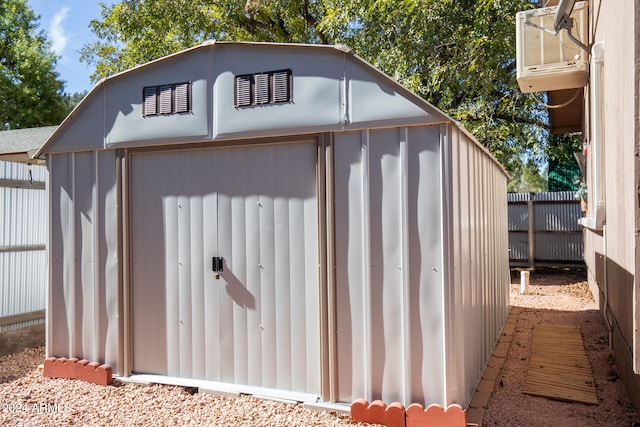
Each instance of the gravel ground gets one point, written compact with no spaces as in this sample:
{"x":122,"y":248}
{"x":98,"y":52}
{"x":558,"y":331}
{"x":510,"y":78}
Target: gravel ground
{"x":560,"y":297}
{"x":30,"y":399}
{"x":27,"y":398}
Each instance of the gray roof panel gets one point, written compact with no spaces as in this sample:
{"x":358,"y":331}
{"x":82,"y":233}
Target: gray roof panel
{"x":16,"y":144}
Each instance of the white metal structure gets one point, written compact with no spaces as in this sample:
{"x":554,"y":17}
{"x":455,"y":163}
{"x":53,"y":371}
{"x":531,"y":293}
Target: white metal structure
{"x":23,"y":234}
{"x":297,"y":225}
{"x":546,"y":60}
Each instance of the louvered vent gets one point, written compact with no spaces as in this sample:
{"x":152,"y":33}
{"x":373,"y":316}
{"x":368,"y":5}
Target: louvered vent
{"x":262,"y":88}
{"x":181,"y":98}
{"x":271,"y":87}
{"x":282,"y":86}
{"x":243,"y":90}
{"x":167,"y":99}
{"x":150,"y":101}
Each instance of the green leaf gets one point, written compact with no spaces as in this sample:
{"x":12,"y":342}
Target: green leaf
{"x":31,"y":92}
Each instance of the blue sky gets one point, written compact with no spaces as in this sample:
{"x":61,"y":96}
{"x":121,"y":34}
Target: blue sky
{"x":66,"y":23}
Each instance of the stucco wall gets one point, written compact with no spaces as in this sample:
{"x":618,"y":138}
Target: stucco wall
{"x":610,"y":253}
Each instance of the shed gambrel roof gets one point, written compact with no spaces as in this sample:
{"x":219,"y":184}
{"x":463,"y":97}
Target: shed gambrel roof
{"x":333,"y":90}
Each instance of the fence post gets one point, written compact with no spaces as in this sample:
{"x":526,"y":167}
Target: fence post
{"x":530,"y":229}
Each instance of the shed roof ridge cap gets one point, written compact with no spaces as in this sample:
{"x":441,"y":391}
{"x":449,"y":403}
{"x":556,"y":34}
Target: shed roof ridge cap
{"x":343,"y":48}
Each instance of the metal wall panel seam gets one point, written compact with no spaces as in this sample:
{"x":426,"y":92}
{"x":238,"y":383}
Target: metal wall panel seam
{"x":499,"y":255}
{"x":483,"y":261}
{"x":463,"y":200}
{"x":106,"y":238}
{"x":267,"y":281}
{"x":481,"y":180}
{"x":330,"y":201}
{"x":215,"y":327}
{"x":329,"y":380}
{"x":187,"y":287}
{"x":366,"y":233}
{"x":472,"y":249}
{"x":447,"y":259}
{"x":96,"y":259}
{"x":217,"y":302}
{"x":463,"y":251}
{"x":85,"y":268}
{"x":119,"y":265}
{"x":456,"y":262}
{"x":477,"y":338}
{"x":479,"y":347}
{"x":406,"y":282}
{"x":489,"y":299}
{"x":321,"y":190}
{"x":48,"y":293}
{"x":494,"y":255}
{"x":83,"y":170}
{"x":345,"y":92}
{"x":72,"y":259}
{"x":489,"y":247}
{"x":212,"y":123}
{"x":125,"y":261}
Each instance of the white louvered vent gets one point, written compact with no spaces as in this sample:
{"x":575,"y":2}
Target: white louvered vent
{"x":272,"y":87}
{"x":150,"y":106}
{"x":165,"y":103}
{"x":181,"y":98}
{"x":166,"y":99}
{"x":243,"y":90}
{"x":282,"y":86}
{"x":262,"y":89}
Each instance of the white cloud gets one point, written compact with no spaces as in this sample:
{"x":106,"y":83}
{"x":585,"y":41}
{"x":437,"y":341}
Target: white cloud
{"x":58,"y":34}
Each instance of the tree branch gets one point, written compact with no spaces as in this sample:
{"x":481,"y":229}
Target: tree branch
{"x":313,"y":22}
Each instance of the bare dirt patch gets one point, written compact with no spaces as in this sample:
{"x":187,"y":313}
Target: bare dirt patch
{"x":558,"y":297}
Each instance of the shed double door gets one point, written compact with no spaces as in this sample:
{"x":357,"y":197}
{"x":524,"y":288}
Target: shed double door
{"x":256,"y":208}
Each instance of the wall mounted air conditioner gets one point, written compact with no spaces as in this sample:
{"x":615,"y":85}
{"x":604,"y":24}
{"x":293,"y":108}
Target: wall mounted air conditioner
{"x":546,"y":61}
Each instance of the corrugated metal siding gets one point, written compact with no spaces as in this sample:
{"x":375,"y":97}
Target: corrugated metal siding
{"x":557,"y":234}
{"x":476,"y":264}
{"x":82,"y":307}
{"x":20,"y":325}
{"x":388,"y":273}
{"x":23,"y":233}
{"x":414,"y":326}
{"x":20,"y":171}
{"x":256,"y":207}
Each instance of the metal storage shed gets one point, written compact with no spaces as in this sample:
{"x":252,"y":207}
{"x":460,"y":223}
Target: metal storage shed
{"x":360,"y":235}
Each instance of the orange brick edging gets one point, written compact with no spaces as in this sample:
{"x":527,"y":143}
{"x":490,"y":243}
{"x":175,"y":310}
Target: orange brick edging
{"x":78,"y":369}
{"x":415,"y":415}
{"x":378,"y":413}
{"x":435,"y":415}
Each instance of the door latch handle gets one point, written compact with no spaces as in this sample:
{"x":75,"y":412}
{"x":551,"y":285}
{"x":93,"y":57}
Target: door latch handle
{"x":216,"y":265}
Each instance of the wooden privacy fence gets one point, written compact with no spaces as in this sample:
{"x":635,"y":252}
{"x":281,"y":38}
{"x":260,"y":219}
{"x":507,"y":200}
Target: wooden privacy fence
{"x":544,"y":230}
